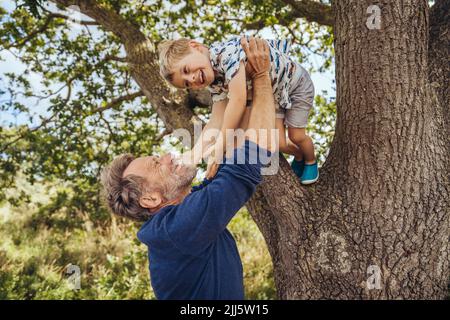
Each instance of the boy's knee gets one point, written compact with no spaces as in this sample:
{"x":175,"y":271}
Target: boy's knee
{"x":297,"y":135}
{"x":282,"y":145}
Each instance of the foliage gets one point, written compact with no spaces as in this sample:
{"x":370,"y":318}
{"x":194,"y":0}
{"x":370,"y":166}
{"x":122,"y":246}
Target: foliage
{"x":321,"y":125}
{"x":258,"y":269}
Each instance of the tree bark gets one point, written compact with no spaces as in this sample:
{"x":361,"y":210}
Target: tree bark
{"x":312,"y":11}
{"x":382,"y":200}
{"x":439,"y":56}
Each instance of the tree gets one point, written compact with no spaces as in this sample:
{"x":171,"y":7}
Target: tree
{"x":380,"y":210}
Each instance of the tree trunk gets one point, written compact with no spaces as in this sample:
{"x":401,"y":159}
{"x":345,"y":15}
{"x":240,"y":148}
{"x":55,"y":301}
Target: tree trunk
{"x":439,"y":56}
{"x":381,"y":205}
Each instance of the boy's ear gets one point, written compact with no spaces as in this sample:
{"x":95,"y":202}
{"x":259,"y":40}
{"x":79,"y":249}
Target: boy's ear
{"x":194,"y":44}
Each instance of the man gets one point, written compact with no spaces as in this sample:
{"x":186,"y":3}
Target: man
{"x":191,"y":253}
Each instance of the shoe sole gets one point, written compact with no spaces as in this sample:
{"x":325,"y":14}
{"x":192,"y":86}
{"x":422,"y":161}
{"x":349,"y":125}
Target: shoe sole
{"x":306,"y":182}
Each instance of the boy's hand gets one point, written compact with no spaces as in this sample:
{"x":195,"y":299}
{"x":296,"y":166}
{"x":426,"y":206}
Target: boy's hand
{"x":258,"y":56}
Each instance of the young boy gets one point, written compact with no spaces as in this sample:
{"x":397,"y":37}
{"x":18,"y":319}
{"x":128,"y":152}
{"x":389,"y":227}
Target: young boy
{"x":221,"y":68}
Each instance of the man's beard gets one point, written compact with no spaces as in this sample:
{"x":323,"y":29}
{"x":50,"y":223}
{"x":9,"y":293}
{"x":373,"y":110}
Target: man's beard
{"x":177,"y":183}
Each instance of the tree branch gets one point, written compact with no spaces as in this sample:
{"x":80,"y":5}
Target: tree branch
{"x":115,"y":102}
{"x":108,"y":18}
{"x":312,"y":11}
{"x":30,"y":36}
{"x":308,"y":9}
{"x":43,"y":123}
{"x":171,"y":105}
{"x":62,"y":16}
{"x":255,"y":25}
{"x":48,"y":19}
{"x":114,"y":58}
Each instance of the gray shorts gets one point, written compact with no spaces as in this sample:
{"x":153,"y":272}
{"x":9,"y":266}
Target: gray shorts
{"x":302,"y":99}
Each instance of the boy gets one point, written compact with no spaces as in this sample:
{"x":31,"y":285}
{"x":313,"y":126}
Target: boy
{"x":221,"y":68}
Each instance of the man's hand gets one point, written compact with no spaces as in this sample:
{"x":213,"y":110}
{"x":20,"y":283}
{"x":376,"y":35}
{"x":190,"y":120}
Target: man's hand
{"x":212,"y":167}
{"x":214,"y":153}
{"x":258,"y":56}
{"x":262,"y":115}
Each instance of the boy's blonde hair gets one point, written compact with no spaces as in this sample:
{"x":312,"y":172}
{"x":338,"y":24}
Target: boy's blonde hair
{"x":171,"y":51}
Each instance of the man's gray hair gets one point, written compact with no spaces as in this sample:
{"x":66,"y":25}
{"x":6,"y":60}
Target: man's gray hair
{"x":122,"y":194}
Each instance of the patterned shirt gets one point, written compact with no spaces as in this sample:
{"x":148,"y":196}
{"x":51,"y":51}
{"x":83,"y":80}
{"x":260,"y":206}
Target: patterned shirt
{"x":226,"y":57}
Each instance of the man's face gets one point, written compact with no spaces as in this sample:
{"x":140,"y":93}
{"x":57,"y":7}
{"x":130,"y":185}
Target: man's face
{"x":164,"y":171}
{"x":194,"y":71}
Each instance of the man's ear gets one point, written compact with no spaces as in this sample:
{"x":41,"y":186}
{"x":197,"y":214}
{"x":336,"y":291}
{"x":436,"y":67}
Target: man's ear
{"x":151,"y":200}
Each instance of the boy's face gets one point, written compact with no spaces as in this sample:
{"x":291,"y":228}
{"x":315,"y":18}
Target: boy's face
{"x":194,"y":71}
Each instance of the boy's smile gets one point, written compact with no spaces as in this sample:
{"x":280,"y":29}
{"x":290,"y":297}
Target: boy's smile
{"x":194,"y":71}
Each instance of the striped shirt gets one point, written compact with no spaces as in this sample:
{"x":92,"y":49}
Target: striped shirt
{"x":226,"y":57}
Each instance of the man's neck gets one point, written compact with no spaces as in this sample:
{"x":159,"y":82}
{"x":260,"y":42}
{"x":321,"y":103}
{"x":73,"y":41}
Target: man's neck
{"x":173,"y":202}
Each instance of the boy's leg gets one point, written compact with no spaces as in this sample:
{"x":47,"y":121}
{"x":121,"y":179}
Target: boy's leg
{"x":302,"y":99}
{"x":299,"y":137}
{"x":310,"y":172}
{"x":298,"y":153}
{"x":284,"y":145}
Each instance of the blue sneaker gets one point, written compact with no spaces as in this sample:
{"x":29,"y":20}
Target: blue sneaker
{"x":310,"y":174}
{"x":297,"y":167}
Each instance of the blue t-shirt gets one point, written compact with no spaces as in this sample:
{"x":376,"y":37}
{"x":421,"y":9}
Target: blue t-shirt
{"x":191,"y":253}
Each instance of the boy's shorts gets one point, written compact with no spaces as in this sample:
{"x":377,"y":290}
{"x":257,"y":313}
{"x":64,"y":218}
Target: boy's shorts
{"x":302,"y":99}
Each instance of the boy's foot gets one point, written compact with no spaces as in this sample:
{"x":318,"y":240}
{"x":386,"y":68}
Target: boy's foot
{"x":297,"y":167}
{"x":310,"y":173}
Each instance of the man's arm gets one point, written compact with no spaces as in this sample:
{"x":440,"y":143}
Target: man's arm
{"x":262,"y":116}
{"x":204,"y":214}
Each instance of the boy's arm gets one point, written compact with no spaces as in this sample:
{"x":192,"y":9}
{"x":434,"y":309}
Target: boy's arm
{"x":234,"y":111}
{"x":209,"y":132}
{"x":237,"y":99}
